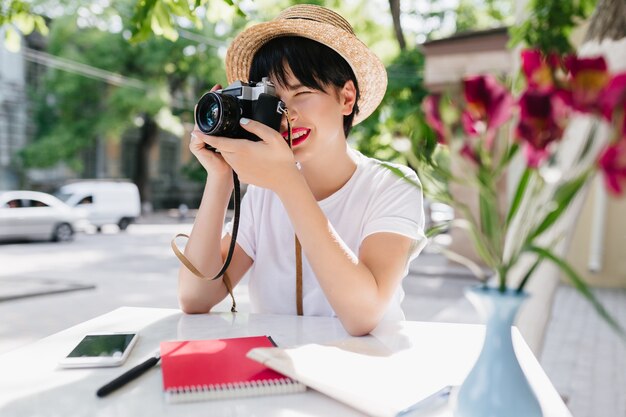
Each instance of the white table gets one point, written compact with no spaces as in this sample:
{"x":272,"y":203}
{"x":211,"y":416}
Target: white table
{"x":31,"y":383}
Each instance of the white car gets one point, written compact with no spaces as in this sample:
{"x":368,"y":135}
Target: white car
{"x":34,"y":215}
{"x":105,"y":202}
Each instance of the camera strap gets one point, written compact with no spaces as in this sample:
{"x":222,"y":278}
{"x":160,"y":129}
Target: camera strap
{"x":222,"y":273}
{"x":299,"y":308}
{"x":231,"y":249}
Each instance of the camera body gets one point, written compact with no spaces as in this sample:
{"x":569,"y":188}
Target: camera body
{"x":218,"y":112}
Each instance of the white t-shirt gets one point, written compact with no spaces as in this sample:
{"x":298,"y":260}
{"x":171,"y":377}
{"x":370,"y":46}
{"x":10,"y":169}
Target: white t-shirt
{"x":373,"y":200}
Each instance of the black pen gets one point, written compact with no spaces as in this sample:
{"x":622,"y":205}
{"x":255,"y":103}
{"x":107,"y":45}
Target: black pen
{"x":128,"y":376}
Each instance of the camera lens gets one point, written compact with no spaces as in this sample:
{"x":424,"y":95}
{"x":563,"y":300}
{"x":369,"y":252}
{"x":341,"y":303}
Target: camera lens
{"x":212,"y":115}
{"x":218,"y":114}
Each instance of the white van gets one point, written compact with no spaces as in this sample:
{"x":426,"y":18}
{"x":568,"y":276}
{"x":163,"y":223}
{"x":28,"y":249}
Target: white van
{"x":105,"y":202}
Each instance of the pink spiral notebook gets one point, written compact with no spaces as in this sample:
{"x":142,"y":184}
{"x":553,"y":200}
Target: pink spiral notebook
{"x":196,"y":370}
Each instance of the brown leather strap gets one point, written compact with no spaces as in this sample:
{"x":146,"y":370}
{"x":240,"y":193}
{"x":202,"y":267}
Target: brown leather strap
{"x":183,"y":259}
{"x":299,"y":308}
{"x":299,"y":278}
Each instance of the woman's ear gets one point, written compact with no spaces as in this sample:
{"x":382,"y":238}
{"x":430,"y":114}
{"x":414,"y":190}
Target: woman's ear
{"x":347,"y":98}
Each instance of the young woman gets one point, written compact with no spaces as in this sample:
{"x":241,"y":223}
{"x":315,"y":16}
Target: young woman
{"x":358,"y":223}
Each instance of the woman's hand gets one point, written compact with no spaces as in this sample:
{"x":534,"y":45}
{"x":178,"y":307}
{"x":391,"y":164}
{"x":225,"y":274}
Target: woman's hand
{"x":212,"y":162}
{"x":267,"y":163}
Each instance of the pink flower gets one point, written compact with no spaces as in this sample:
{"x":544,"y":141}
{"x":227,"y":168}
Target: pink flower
{"x":613,"y":101}
{"x":489,"y":105}
{"x":543,"y":116}
{"x":433,"y":117}
{"x":612,"y":162}
{"x":589,"y":76}
{"x":538,"y":69}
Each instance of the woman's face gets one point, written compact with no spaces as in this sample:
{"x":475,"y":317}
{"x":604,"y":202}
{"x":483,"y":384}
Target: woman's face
{"x":316,"y":117}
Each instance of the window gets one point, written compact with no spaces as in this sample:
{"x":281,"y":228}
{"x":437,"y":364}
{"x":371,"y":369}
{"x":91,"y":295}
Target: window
{"x":168,"y":158}
{"x":85,"y":200}
{"x":35,"y":203}
{"x":14,"y":204}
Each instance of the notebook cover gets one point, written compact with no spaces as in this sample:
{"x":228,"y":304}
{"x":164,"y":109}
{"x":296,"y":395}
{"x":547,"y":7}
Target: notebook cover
{"x":193,"y":363}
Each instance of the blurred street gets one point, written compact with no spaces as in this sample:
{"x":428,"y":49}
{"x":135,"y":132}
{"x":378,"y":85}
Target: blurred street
{"x":113,"y":269}
{"x":47,"y":287}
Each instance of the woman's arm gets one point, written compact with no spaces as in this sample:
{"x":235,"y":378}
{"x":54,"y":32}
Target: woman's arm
{"x":358,"y":288}
{"x":206,"y":249}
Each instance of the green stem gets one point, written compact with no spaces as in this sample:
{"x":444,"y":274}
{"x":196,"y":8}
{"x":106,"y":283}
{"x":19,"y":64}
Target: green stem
{"x":529,"y":273}
{"x":502,"y":271}
{"x":482,"y":247}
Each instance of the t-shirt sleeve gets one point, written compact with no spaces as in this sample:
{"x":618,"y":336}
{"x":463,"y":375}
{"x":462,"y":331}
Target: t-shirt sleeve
{"x":397,"y":206}
{"x":246,"y":232}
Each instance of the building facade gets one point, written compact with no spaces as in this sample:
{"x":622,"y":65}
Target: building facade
{"x":13,"y":114}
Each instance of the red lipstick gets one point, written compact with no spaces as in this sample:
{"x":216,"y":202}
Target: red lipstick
{"x":299,"y":135}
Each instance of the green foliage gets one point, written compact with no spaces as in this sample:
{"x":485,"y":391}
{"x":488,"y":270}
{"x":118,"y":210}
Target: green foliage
{"x":550,"y":24}
{"x":159,"y":17}
{"x":473,"y":15}
{"x":399,"y":116}
{"x":72,"y":110}
{"x":18,"y":13}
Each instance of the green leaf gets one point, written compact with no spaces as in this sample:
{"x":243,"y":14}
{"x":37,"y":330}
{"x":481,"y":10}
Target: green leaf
{"x":486,"y":216}
{"x":562,"y":197}
{"x":141,"y":20}
{"x":162,"y":23}
{"x":581,"y":286}
{"x":438,"y":229}
{"x":529,"y":273}
{"x":25,"y":22}
{"x":40,"y":25}
{"x":489,"y":213}
{"x":12,"y":39}
{"x":397,"y":171}
{"x":519,"y":193}
{"x":236,"y":6}
{"x":477,"y":238}
{"x":474,"y":268}
{"x":589,"y":141}
{"x":511,"y":152}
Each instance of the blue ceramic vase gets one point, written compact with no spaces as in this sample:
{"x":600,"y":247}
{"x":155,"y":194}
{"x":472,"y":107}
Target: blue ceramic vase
{"x":496,"y":386}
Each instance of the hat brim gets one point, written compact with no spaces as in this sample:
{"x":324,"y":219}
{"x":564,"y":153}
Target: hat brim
{"x":368,"y":69}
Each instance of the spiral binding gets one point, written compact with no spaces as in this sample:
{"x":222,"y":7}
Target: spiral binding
{"x":233,"y":390}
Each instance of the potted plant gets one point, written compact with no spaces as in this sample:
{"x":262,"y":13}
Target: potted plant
{"x":481,"y":134}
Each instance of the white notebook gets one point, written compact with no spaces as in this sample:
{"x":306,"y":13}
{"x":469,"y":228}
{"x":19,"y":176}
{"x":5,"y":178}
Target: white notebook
{"x":382,"y":375}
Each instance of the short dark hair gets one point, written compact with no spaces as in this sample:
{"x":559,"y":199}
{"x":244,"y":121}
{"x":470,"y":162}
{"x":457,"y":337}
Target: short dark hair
{"x":314,"y":64}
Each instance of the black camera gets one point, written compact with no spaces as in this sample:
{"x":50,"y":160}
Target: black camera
{"x":218,"y":112}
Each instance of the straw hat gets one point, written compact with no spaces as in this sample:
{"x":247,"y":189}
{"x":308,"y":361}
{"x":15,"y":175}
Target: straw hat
{"x":324,"y":26}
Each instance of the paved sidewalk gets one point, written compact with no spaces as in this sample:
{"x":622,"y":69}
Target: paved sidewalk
{"x":583,"y":357}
